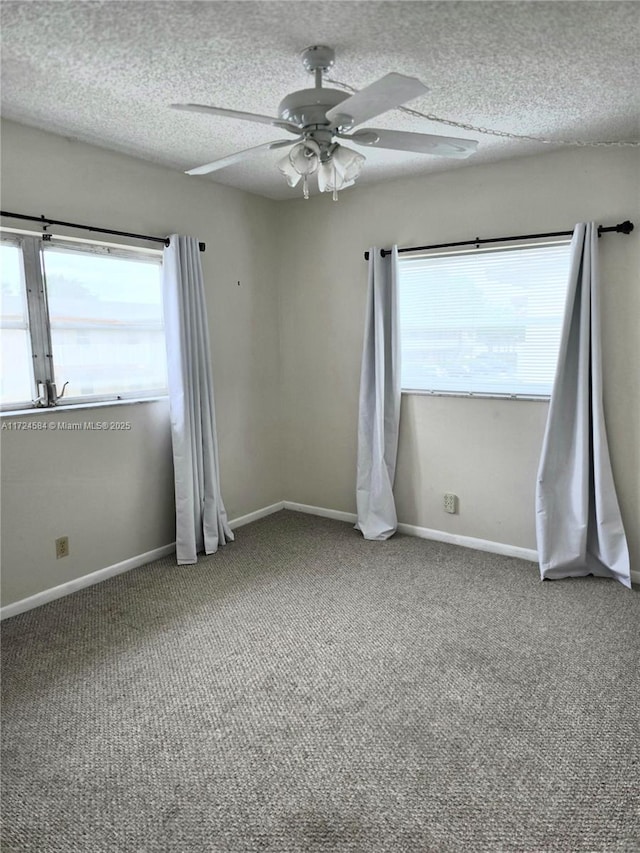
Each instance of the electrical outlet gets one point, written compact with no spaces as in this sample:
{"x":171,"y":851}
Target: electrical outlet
{"x":62,"y":547}
{"x":450,"y":503}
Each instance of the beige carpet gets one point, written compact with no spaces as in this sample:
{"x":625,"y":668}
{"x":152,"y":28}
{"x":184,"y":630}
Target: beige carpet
{"x":304,"y":690}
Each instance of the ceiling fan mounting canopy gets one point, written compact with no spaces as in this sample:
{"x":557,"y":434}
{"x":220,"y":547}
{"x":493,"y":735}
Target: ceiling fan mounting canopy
{"x":320,"y":117}
{"x":318,"y":57}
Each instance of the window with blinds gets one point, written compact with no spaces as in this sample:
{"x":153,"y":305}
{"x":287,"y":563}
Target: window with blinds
{"x":484,"y":322}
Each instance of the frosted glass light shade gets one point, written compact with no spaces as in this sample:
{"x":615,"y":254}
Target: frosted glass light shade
{"x":341,"y":170}
{"x":302,"y":160}
{"x":337,"y":173}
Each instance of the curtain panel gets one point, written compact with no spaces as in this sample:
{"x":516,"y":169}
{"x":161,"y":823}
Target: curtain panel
{"x":379,"y":403}
{"x":578,"y":522}
{"x":201,"y":519}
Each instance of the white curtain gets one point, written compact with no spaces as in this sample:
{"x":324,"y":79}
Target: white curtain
{"x":201,"y":520}
{"x":578,"y":523}
{"x":379,"y":409}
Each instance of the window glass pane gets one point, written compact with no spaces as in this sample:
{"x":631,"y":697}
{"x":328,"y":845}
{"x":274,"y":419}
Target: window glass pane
{"x":486,"y":322}
{"x":16,"y":384}
{"x":106,"y":323}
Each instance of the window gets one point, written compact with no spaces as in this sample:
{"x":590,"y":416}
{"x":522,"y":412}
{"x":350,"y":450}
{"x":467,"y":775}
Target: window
{"x":85,"y":318}
{"x":484,"y":322}
{"x":17,"y":376}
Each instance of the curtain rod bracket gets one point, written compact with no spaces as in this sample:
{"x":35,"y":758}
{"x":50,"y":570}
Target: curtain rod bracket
{"x":201,"y":246}
{"x":383,"y":252}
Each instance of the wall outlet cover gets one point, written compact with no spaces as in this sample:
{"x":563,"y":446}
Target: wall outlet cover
{"x":450,"y":503}
{"x":62,"y":547}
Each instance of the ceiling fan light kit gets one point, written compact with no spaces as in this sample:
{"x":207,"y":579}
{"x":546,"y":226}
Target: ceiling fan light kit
{"x":319,"y":117}
{"x":337,"y":167}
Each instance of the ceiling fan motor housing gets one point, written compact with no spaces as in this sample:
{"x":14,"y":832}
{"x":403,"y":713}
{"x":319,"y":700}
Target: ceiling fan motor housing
{"x":309,"y":106}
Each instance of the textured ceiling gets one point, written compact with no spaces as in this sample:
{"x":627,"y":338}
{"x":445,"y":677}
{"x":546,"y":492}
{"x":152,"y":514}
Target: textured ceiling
{"x":105,"y":73}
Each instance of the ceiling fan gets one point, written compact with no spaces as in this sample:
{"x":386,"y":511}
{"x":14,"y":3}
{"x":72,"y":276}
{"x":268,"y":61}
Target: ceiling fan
{"x":320,"y":117}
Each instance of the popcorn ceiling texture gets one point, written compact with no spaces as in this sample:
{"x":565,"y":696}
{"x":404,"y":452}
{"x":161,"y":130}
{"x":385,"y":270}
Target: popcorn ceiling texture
{"x":106,"y":72}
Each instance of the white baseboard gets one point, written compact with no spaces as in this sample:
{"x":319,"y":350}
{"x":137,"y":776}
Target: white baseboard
{"x":529,"y":554}
{"x":74,"y":585}
{"x":470,"y":542}
{"x":254,"y":516}
{"x":157,"y":553}
{"x":337,"y":514}
{"x":425,"y":533}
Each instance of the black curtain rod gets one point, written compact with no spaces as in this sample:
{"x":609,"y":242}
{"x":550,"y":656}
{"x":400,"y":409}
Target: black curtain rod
{"x":43,"y":220}
{"x":622,"y":228}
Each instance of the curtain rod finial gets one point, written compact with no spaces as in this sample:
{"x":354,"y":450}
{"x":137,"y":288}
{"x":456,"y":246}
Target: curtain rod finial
{"x":625,"y":227}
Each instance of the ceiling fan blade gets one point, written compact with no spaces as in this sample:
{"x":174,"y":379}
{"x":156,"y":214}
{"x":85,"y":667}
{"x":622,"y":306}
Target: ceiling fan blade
{"x":219,"y":111}
{"x":239,"y":155}
{"x":388,"y":92}
{"x":422,"y":143}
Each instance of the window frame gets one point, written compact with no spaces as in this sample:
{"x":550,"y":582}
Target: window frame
{"x":33,"y":246}
{"x":485,"y":250}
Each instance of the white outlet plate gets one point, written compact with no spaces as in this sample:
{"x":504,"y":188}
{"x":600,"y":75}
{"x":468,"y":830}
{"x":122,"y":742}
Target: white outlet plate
{"x":450,"y":503}
{"x":62,"y":547}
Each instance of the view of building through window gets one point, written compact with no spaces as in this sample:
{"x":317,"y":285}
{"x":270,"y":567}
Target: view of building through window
{"x":104,"y":315}
{"x":16,"y":381}
{"x":106,"y":323}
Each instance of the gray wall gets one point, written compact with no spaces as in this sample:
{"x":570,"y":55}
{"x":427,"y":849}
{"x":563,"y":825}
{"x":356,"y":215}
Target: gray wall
{"x":286,"y":353}
{"x":486,"y":451}
{"x":113,"y":494}
{"x":109,"y":492}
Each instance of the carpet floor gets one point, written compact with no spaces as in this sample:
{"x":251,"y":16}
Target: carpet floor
{"x":304,"y":690}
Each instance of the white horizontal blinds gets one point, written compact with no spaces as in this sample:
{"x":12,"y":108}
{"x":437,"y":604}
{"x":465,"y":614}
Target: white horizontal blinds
{"x":484,"y":322}
{"x":106,"y":316}
{"x":17,"y":382}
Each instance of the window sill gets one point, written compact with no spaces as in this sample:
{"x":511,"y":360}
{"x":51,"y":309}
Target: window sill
{"x":74,"y":407}
{"x":477,"y":395}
